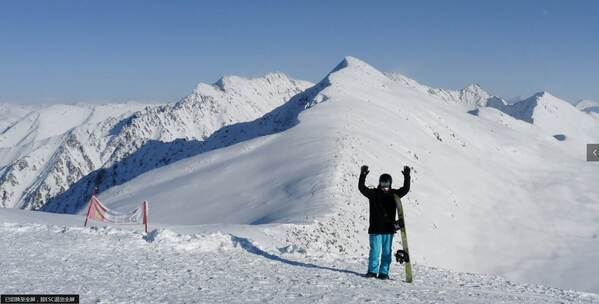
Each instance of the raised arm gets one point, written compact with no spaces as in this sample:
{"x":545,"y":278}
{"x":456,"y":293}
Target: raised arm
{"x":401,"y":192}
{"x":362,"y":182}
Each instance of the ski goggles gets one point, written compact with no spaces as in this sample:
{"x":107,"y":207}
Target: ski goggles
{"x":385,"y":184}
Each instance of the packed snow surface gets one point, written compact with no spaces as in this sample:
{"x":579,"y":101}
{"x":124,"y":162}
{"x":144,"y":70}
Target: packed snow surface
{"x":112,"y":265}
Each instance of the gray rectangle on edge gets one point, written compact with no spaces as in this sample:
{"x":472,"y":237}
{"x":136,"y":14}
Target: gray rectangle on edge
{"x":592,"y":152}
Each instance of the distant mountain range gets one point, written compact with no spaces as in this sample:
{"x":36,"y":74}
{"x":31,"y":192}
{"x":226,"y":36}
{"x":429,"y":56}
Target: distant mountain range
{"x":45,"y":151}
{"x":497,"y":187}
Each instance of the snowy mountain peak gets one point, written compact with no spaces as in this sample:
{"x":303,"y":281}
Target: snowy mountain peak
{"x":526,"y":109}
{"x":351,"y":61}
{"x":548,"y":99}
{"x":587,"y":105}
{"x":259,"y":92}
{"x":226,"y":81}
{"x":583,"y":103}
{"x":50,"y":151}
{"x":474,"y":94}
{"x":355,"y":65}
{"x":554,"y":116}
{"x":233,"y":81}
{"x":542,"y":94}
{"x":352,"y":71}
{"x":471,"y":97}
{"x":476,"y":89}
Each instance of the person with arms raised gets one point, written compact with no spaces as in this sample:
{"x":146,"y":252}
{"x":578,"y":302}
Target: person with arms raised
{"x":382,"y":207}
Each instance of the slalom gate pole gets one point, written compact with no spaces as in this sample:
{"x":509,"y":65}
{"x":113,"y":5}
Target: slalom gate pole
{"x":146,"y":216}
{"x":89,"y":208}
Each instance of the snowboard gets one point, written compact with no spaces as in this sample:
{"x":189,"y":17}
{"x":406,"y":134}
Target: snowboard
{"x":403,"y":256}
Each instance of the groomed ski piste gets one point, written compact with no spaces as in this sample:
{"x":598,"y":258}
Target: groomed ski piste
{"x":115,"y":265}
{"x":267,"y":209}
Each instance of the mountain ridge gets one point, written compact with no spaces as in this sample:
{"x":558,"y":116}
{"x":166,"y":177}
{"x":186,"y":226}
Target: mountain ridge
{"x":194,"y":117}
{"x":474,"y":178}
{"x":288,"y":165}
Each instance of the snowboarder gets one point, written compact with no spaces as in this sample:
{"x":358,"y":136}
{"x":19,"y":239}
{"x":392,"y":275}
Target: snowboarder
{"x":382,"y":220}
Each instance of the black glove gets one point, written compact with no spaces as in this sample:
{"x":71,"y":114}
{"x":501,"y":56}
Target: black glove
{"x":399,"y":224}
{"x":364,"y":170}
{"x":406,"y":171}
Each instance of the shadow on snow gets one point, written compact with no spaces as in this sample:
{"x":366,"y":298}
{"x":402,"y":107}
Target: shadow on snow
{"x":251,"y":248}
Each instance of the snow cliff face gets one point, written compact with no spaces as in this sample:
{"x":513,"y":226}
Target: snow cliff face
{"x":50,"y":161}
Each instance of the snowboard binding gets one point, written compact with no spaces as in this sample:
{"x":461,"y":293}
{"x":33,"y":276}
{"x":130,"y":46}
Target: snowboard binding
{"x":398,"y":225}
{"x":402,"y":256}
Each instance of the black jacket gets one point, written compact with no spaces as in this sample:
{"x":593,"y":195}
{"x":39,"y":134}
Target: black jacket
{"x":382,"y":205}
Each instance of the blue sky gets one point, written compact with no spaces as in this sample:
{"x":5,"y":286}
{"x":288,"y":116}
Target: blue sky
{"x":81,"y":51}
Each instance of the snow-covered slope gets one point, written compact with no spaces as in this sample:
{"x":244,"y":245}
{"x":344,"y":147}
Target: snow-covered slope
{"x":555,"y":117}
{"x":109,"y":265}
{"x":587,"y":105}
{"x":471,"y":97}
{"x":57,"y":147}
{"x":55,"y":120}
{"x":491,"y":193}
{"x":11,"y":113}
{"x":50,"y":148}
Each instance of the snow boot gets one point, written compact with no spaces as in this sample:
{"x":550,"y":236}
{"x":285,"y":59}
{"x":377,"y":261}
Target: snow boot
{"x":383,"y":276}
{"x":370,"y":275}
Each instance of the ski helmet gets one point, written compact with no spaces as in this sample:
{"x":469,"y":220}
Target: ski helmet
{"x":385,"y":180}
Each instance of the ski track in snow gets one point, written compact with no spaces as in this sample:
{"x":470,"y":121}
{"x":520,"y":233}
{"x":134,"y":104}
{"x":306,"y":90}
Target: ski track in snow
{"x":112,"y":265}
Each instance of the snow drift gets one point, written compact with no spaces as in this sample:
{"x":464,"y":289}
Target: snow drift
{"x":110,"y":265}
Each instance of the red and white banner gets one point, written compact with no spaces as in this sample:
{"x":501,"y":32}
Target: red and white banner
{"x":97,"y":211}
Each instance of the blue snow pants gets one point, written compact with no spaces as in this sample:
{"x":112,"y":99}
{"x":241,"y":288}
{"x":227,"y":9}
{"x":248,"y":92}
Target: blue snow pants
{"x":378,"y":243}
